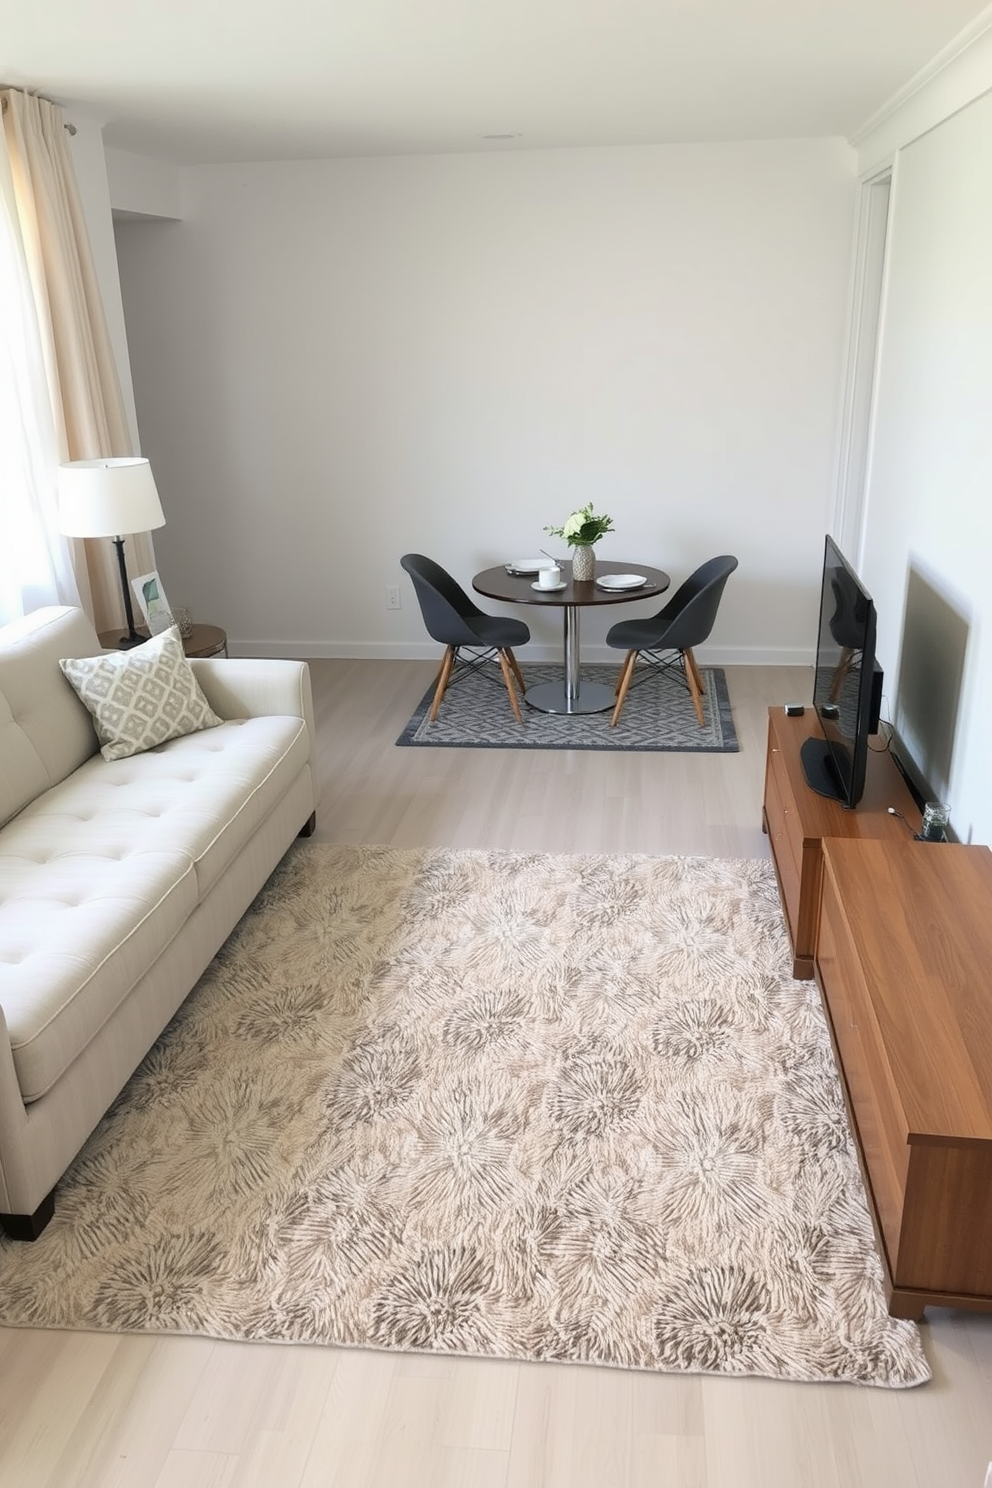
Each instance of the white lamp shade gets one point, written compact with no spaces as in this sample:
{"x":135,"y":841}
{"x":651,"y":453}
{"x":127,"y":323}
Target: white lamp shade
{"x":107,"y":498}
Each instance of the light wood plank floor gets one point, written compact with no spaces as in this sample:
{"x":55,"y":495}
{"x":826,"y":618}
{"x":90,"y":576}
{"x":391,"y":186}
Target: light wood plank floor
{"x":98,"y":1411}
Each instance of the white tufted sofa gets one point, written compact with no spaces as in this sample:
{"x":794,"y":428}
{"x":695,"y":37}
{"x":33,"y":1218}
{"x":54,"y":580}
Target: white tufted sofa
{"x":119,"y":881}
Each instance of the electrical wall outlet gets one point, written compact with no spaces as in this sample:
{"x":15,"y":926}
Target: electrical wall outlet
{"x":393,"y":597}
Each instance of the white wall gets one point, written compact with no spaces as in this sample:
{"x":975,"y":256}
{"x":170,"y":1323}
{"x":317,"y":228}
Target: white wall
{"x":928,"y":532}
{"x":339,"y":361}
{"x":140,"y":187}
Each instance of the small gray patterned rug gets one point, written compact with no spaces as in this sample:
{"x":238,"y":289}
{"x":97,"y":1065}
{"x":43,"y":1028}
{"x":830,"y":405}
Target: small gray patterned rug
{"x":658,"y":714}
{"x":512,"y":1105}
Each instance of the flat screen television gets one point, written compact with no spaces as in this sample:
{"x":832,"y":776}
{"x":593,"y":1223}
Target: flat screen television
{"x":847,"y":686}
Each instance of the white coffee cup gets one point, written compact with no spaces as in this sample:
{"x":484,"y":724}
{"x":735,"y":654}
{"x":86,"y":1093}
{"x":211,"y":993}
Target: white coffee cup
{"x":550,"y":577}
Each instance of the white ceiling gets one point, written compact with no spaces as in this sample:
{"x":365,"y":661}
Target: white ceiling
{"x":229,"y":80}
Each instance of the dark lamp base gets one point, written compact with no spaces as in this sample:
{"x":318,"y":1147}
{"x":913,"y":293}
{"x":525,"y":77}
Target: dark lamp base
{"x":132,"y":639}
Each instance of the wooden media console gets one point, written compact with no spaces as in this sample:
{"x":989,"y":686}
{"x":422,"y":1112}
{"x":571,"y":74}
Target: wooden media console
{"x":797,"y":820}
{"x":904,"y":963}
{"x":899,"y":936}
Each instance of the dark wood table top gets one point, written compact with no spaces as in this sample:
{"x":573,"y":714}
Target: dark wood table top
{"x":496,"y":583}
{"x":203,"y":640}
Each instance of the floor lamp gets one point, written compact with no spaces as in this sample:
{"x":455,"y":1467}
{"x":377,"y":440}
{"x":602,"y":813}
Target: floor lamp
{"x":107,"y":498}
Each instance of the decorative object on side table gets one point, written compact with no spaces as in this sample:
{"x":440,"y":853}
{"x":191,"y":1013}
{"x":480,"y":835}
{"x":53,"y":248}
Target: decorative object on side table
{"x":150,"y":594}
{"x":184,"y":621}
{"x":108,"y":498}
{"x":582,"y":530}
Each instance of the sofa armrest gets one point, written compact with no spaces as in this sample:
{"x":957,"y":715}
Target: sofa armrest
{"x":13,"y":1117}
{"x":238,"y":687}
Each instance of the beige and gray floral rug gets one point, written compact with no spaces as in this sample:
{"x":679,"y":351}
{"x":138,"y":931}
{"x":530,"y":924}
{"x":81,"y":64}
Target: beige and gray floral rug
{"x":515,"y":1105}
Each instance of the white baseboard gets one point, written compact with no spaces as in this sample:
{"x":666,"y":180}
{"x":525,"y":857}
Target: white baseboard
{"x":801,"y":656}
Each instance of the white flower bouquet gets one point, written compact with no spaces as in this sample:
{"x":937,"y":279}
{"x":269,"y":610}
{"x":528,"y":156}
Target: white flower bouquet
{"x":582,"y":528}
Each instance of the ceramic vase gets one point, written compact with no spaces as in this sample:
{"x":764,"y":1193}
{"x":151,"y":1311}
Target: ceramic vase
{"x":583,"y":562}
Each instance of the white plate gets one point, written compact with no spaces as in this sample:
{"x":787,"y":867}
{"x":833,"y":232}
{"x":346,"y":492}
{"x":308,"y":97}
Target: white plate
{"x":548,"y":588}
{"x":529,"y":565}
{"x":621,"y":581}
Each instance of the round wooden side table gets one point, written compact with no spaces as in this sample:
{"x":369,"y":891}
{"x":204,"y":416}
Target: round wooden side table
{"x":206,"y":640}
{"x":203,"y":640}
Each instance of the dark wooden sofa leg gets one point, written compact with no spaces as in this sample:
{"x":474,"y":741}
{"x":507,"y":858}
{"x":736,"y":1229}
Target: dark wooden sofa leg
{"x":309,"y":827}
{"x":29,"y":1226}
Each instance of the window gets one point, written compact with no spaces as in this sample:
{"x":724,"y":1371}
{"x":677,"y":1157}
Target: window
{"x":35,"y":566}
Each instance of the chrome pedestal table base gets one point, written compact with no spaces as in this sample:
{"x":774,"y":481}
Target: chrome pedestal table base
{"x":568,"y":696}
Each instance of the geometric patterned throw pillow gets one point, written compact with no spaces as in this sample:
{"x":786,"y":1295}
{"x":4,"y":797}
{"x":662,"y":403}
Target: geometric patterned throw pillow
{"x":142,"y":697}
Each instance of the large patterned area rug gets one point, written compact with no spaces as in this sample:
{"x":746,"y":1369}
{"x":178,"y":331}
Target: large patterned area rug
{"x":516,"y":1105}
{"x":658,"y":715}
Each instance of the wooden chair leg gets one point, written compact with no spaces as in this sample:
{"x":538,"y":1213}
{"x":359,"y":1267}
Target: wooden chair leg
{"x":516,"y":670}
{"x":623,"y":682}
{"x":511,"y":690}
{"x":442,"y":680}
{"x":695,"y":682}
{"x":695,"y":671}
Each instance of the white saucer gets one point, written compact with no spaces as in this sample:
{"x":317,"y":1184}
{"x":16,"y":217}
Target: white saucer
{"x":622,"y":581}
{"x":528,"y":565}
{"x":544,"y":589}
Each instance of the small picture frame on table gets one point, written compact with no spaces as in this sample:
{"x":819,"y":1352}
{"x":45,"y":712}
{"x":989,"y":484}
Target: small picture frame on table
{"x":154,"y":606}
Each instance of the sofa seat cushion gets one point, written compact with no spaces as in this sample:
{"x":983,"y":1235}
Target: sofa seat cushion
{"x":204,"y":795}
{"x":79,"y":924}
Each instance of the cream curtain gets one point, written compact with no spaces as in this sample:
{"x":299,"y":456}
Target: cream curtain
{"x":85,"y":392}
{"x":35,"y":560}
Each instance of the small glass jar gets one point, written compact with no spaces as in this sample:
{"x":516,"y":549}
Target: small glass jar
{"x":182,"y":618}
{"x":936,"y":817}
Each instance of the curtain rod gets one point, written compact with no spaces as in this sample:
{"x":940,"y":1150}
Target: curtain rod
{"x":70,"y":127}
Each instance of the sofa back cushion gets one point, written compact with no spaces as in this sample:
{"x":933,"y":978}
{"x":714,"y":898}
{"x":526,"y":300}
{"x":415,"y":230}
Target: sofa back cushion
{"x":45,"y":731}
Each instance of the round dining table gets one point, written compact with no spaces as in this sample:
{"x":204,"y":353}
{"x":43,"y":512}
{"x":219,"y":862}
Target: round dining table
{"x":568,"y":695}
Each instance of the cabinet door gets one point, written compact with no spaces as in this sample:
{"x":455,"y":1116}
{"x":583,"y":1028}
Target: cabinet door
{"x":880,"y":1127}
{"x":948,"y":1219}
{"x":781,"y":823}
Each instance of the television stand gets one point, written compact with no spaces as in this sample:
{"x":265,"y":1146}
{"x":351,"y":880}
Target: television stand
{"x":797,"y":820}
{"x":904,"y":946}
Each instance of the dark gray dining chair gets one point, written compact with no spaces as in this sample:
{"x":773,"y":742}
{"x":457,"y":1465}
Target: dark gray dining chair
{"x":461,"y":627}
{"x":666,"y":640}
